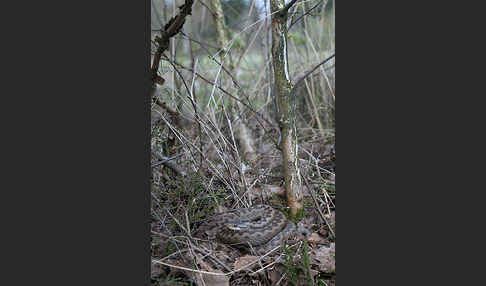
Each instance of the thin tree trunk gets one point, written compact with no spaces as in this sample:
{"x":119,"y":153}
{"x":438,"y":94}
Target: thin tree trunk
{"x":286,"y":105}
{"x":243,"y":134}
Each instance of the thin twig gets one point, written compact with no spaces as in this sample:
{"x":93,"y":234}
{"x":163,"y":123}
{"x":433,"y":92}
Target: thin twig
{"x":166,"y":160}
{"x":312,"y":8}
{"x":300,"y":80}
{"x":311,"y":191}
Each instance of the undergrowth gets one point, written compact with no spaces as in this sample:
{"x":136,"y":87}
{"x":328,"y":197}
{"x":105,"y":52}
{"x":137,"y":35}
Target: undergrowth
{"x":211,"y":154}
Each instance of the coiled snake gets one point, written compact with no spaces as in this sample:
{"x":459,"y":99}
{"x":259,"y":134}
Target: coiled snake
{"x":260,"y":226}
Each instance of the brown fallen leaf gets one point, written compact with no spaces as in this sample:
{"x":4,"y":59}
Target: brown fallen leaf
{"x":315,"y":238}
{"x":325,"y":258}
{"x":245,"y":260}
{"x":276,"y":274}
{"x":213,"y":280}
{"x":204,"y":278}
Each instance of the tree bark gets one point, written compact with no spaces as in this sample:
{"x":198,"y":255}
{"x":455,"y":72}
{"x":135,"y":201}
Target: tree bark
{"x":286,"y":106}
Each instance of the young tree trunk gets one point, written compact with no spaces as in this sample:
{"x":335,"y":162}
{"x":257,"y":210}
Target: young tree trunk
{"x":286,"y":106}
{"x":242,"y":133}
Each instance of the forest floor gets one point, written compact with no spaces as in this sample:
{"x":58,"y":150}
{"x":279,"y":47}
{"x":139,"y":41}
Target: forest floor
{"x":220,"y":182}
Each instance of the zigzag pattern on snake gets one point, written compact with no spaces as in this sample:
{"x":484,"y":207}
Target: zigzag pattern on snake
{"x":261,"y":226}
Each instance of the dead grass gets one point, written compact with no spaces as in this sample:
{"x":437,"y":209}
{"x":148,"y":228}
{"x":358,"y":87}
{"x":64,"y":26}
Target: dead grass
{"x":216,"y":178}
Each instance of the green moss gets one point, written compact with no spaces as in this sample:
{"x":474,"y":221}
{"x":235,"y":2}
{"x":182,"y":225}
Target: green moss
{"x":298,"y":217}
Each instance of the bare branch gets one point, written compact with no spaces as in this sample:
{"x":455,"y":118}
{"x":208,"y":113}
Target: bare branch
{"x":285,"y":9}
{"x":299,"y":81}
{"x":308,"y":12}
{"x":170,"y":29}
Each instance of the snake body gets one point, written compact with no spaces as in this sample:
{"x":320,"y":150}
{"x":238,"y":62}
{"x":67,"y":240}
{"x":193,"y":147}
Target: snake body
{"x":260,"y":226}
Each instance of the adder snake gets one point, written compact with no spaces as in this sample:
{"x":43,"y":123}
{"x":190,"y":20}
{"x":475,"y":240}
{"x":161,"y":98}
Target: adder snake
{"x":260,"y":226}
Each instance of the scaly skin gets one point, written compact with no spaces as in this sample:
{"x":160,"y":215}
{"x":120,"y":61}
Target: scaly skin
{"x":256,"y":225}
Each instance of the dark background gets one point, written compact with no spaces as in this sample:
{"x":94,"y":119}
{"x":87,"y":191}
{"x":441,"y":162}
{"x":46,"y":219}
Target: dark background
{"x":75,"y":152}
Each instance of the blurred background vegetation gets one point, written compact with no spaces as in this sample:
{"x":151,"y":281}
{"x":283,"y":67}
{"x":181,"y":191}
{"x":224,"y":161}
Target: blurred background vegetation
{"x":311,"y":39}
